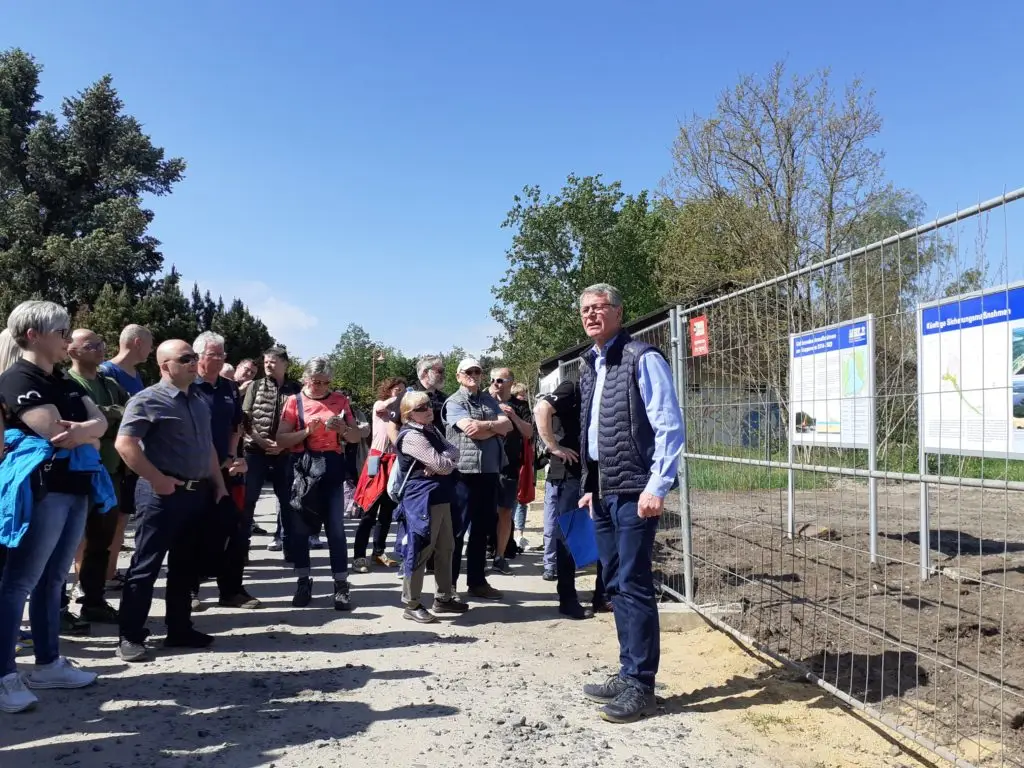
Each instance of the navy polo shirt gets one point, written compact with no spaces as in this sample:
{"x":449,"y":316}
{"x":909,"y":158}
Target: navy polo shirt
{"x":174,"y":428}
{"x":225,"y":404}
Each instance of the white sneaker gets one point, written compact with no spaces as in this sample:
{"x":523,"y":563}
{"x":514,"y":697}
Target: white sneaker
{"x":14,"y":696}
{"x":63,"y":673}
{"x":275,"y":546}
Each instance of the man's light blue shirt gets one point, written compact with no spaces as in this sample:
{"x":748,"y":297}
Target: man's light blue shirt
{"x":658,"y":392}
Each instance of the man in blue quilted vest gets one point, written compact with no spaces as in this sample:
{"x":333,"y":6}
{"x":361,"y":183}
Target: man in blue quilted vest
{"x":632,"y":435}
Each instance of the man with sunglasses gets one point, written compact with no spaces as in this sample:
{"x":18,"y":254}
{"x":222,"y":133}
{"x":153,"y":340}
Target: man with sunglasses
{"x":518,"y":412}
{"x":475,"y":425}
{"x":86,"y":352}
{"x":166,"y":439}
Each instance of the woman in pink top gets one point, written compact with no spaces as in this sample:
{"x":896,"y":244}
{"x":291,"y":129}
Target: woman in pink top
{"x":320,"y":430}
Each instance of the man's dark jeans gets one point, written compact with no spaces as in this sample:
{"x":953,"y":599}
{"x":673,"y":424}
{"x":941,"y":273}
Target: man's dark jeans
{"x":625,"y":542}
{"x":166,"y":526}
{"x":99,"y":535}
{"x":474,"y":508}
{"x":278,"y":470}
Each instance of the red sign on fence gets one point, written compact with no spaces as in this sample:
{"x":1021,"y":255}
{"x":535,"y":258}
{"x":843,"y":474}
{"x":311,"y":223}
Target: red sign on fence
{"x":699,"y":336}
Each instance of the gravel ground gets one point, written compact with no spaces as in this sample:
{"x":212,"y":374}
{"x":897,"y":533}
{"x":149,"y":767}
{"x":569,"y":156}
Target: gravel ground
{"x":311,"y":687}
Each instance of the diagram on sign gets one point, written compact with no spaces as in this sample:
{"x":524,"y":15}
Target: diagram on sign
{"x":971,"y":356}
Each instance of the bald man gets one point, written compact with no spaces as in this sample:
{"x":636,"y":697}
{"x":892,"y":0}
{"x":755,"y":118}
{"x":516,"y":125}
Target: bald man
{"x":165,"y":438}
{"x":87,"y":351}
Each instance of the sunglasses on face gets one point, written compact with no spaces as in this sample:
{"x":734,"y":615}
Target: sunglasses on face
{"x":188,"y":359}
{"x":421,"y":409}
{"x":498,"y":381}
{"x":473,"y":372}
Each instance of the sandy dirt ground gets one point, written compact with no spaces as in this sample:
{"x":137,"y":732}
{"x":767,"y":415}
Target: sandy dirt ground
{"x":498,"y":686}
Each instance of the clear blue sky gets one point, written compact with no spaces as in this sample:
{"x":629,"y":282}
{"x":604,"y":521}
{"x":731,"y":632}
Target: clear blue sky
{"x":353,"y":162}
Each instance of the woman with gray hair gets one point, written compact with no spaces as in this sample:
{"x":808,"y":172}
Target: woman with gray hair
{"x":315,"y":425}
{"x":55,"y":429}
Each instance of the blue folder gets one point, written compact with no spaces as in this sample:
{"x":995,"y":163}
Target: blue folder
{"x":578,"y":533}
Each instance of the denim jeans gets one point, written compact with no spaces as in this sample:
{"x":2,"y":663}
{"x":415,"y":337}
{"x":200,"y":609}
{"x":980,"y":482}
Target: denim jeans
{"x":277,"y":469}
{"x":39,"y":565}
{"x":474,"y":508}
{"x":333,"y":519}
{"x":519,"y":522}
{"x":625,"y":542}
{"x":559,"y":496}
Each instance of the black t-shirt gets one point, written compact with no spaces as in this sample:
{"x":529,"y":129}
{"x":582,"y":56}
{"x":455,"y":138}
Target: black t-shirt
{"x":25,"y":386}
{"x":514,"y":440}
{"x":566,"y":425}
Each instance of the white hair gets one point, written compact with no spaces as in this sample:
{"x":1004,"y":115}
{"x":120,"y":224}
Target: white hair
{"x":10,"y":352}
{"x":133,"y":332}
{"x":427,"y":362}
{"x":603,"y":289}
{"x":318,"y":366}
{"x":206,"y":338}
{"x":38,"y":316}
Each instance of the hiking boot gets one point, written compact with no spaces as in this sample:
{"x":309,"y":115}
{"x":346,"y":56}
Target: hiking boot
{"x":606,"y":692}
{"x":14,"y":696}
{"x":449,"y":605}
{"x":241,"y":599}
{"x":61,"y":673}
{"x":130,"y":651}
{"x":550,"y":576}
{"x":604,"y":606}
{"x":576,"y":611}
{"x":486,"y":592}
{"x":342,"y":601}
{"x":386,"y":560}
{"x":420,"y":615}
{"x":629,"y":706}
{"x":361,"y":565}
{"x":193,"y":638}
{"x":303,"y":592}
{"x":500,"y":565}
{"x":72,"y":625}
{"x":104,"y":613}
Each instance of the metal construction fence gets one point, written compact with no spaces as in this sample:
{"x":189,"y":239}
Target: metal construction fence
{"x":851,"y":492}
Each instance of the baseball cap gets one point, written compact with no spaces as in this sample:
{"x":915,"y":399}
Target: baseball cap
{"x":469,"y":362}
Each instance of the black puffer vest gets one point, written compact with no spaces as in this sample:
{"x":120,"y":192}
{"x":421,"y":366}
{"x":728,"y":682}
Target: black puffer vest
{"x":625,"y":436}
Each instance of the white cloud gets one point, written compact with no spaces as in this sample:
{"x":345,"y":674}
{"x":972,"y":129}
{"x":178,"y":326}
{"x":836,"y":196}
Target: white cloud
{"x":284,"y":320}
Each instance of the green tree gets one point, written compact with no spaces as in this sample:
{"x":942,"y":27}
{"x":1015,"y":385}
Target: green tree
{"x":244,"y":334}
{"x":71,"y":189}
{"x":590,"y":232}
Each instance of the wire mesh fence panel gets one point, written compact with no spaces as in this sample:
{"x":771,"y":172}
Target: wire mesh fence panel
{"x":855,"y":476}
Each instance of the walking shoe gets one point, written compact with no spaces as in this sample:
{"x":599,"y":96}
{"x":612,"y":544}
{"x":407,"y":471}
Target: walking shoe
{"x":103,"y":613}
{"x":193,"y":638}
{"x":115,"y":584}
{"x":342,"y":601}
{"x":361,"y":565}
{"x":62,"y":673}
{"x":275,"y":546}
{"x":72,"y":625}
{"x":486,"y":592}
{"x":604,"y":606}
{"x":315,"y":542}
{"x":257,"y":531}
{"x":386,"y":560}
{"x":576,"y":611}
{"x":449,"y":605}
{"x":241,"y":599}
{"x":14,"y":696}
{"x":129,"y":651}
{"x":606,"y":692}
{"x":24,"y":643}
{"x":303,"y":592}
{"x":550,"y":576}
{"x":500,"y":565}
{"x":198,"y":606}
{"x":630,"y":705}
{"x":420,"y":615}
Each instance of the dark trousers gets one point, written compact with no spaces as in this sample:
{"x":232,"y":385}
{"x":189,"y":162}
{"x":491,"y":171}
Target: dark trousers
{"x":332,"y":517}
{"x":474,"y":509}
{"x":236,"y":551}
{"x":99,"y":534}
{"x":165,"y":527}
{"x":278,"y":470}
{"x":378,"y":521}
{"x":625,"y":542}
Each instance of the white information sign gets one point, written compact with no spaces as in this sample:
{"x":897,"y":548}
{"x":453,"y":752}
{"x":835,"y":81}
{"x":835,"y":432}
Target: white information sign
{"x":971,"y":358}
{"x":832,"y":385}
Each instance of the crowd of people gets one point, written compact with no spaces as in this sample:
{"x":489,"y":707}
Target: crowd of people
{"x":88,"y":448}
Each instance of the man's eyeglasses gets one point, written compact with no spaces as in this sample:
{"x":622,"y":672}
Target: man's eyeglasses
{"x":593,"y":309}
{"x":64,"y":333}
{"x":421,"y":409}
{"x":320,"y":382}
{"x":188,"y":359}
{"x":472,"y":371}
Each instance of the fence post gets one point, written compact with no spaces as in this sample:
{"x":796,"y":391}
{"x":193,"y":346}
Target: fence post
{"x":922,"y":468}
{"x":872,"y":449}
{"x":685,"y":517}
